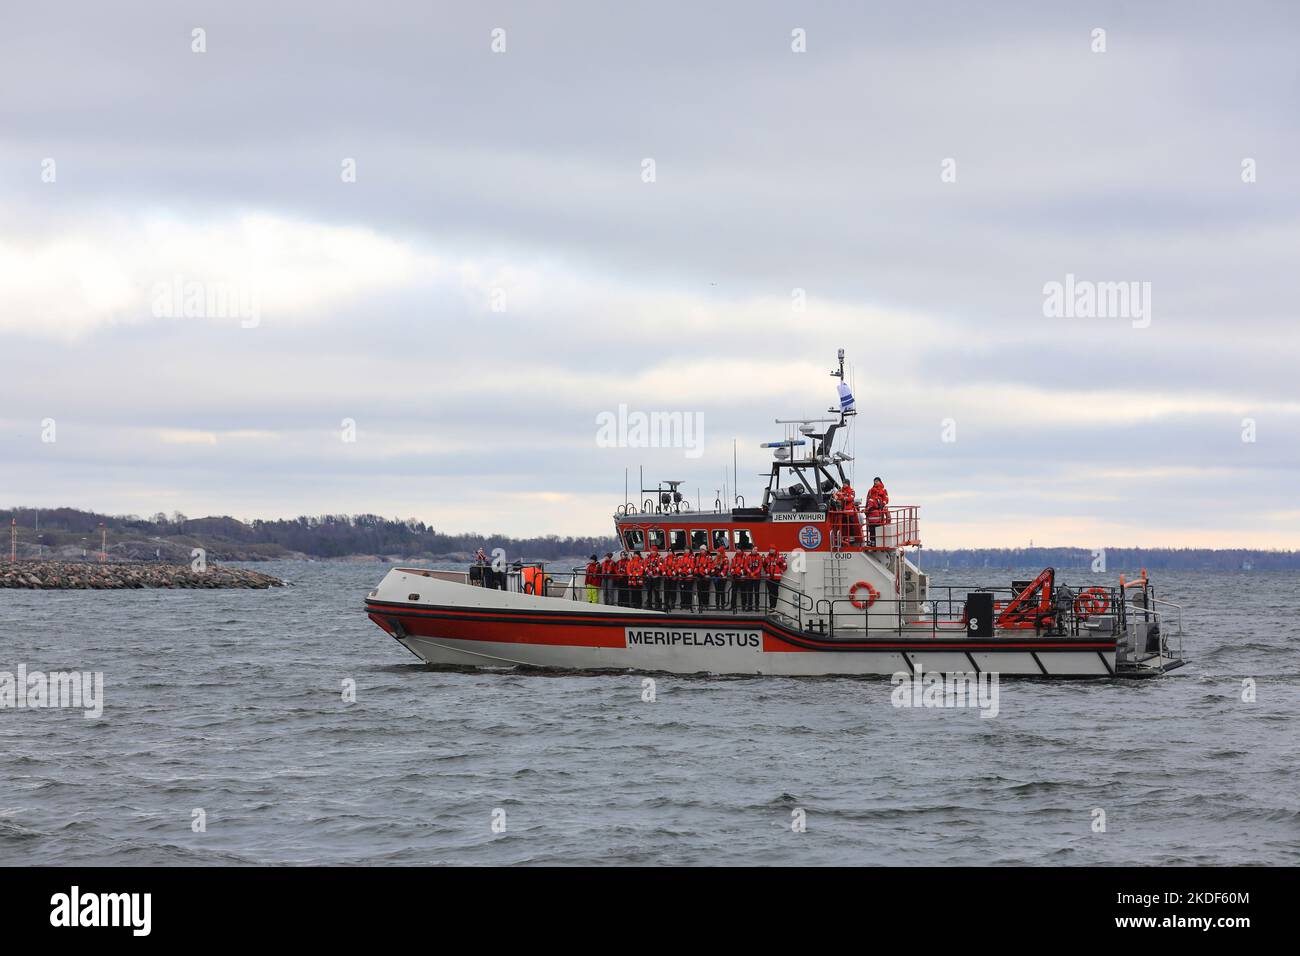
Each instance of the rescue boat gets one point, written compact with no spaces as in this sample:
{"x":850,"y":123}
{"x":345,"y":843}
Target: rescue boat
{"x":851,"y":598}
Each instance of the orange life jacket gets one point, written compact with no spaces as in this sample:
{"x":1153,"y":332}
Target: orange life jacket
{"x":532,"y":578}
{"x":593,"y":573}
{"x":877,"y":506}
{"x":635,"y":570}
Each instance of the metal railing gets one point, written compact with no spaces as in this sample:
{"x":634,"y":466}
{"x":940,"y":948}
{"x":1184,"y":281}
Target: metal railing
{"x":1176,"y":612}
{"x":943,"y":612}
{"x":901,"y":529}
{"x":572,"y":585}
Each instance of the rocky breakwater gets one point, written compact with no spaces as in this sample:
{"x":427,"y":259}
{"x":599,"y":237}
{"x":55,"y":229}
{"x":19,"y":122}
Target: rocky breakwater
{"x":108,"y":575}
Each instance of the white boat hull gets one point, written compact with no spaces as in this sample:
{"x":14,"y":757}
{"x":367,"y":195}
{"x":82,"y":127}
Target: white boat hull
{"x":454,"y":624}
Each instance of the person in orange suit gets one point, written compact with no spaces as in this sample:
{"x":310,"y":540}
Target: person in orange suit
{"x":849,"y":519}
{"x":607,"y":578}
{"x":877,"y":509}
{"x":753,"y":571}
{"x":718,"y":575}
{"x":654,"y":579}
{"x":635,"y":579}
{"x":737,"y":569}
{"x":702,"y":567}
{"x":593,"y":579}
{"x":773,"y":571}
{"x":684,"y":571}
{"x":620,"y":578}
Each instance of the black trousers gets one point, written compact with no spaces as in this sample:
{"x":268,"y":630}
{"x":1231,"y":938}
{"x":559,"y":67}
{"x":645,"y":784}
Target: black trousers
{"x":720,"y":592}
{"x":772,"y":588}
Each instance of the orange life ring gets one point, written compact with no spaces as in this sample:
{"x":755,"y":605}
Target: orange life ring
{"x":1093,"y":601}
{"x":872,"y":596}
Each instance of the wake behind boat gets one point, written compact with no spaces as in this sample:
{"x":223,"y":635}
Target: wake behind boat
{"x":809,"y":582}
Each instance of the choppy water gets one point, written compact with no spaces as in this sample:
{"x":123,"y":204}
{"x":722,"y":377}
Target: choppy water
{"x":230,"y":701}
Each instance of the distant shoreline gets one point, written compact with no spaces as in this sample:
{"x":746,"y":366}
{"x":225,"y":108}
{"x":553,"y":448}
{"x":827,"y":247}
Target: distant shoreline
{"x":69,"y":534}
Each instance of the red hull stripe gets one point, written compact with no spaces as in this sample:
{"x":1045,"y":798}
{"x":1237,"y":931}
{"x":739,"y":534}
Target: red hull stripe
{"x":564,"y":628}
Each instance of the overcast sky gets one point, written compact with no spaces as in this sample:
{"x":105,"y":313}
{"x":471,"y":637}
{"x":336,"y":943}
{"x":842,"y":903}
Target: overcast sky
{"x":506,"y":265}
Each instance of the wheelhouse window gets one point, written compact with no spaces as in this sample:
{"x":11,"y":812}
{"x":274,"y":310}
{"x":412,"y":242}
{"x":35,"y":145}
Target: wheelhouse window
{"x":720,"y":539}
{"x":657,"y":538}
{"x":634,"y":539}
{"x":744,"y":540}
{"x":699,"y":538}
{"x":677,"y":539}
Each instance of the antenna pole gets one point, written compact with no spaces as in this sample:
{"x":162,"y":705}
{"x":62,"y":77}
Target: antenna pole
{"x":735,"y":470}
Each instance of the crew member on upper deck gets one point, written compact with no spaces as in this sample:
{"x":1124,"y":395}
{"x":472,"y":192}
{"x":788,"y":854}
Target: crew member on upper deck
{"x":850,"y":523}
{"x":877,"y":509}
{"x":592,"y":579}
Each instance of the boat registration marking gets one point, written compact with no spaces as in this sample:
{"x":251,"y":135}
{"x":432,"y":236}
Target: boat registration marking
{"x":692,"y":637}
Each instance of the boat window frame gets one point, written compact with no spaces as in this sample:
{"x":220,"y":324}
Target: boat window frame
{"x":745,"y":544}
{"x":677,"y":539}
{"x":695,"y":546}
{"x":629,"y":539}
{"x":656,"y":537}
{"x":725,"y":535}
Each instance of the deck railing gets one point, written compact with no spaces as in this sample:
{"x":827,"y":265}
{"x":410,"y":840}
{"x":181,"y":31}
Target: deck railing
{"x":943,"y":613}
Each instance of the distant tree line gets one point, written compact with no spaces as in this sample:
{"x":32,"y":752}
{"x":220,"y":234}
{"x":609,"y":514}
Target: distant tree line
{"x":336,"y":536}
{"x":317,"y":536}
{"x":1116,"y":559}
